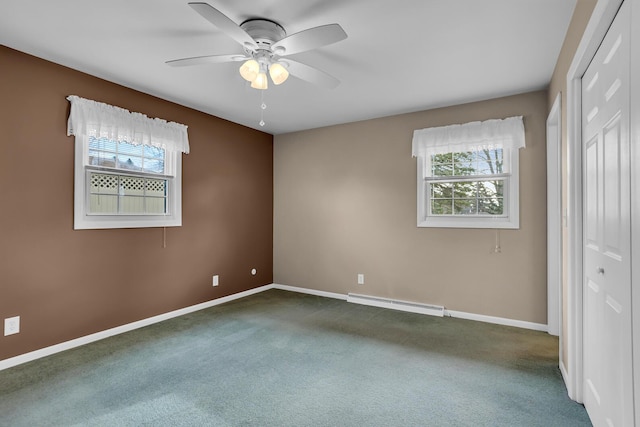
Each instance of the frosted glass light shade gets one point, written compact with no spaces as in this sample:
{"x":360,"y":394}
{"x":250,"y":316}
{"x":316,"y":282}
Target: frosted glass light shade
{"x":249,"y":70}
{"x":260,"y":82}
{"x":278,"y":73}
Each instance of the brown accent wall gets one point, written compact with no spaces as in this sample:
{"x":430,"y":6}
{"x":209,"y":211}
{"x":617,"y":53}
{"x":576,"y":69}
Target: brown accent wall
{"x":345,"y":203}
{"x":66,"y":284}
{"x":558,"y":85}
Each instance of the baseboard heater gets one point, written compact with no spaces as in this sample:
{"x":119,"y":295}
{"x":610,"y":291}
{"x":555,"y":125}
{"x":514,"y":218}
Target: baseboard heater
{"x":432,"y":310}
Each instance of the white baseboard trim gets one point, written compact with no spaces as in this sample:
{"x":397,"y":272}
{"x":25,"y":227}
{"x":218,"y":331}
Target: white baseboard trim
{"x":309,"y":291}
{"x":87,"y":339}
{"x":67,"y":345}
{"x":451,"y":313}
{"x":497,"y":320}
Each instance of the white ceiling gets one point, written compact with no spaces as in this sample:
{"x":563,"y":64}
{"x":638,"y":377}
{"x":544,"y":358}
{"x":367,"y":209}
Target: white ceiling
{"x":400,"y":56}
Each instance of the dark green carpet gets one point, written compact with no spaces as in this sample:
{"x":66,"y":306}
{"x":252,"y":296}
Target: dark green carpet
{"x":285,"y":359}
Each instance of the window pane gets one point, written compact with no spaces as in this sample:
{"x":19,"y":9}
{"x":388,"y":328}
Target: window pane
{"x":153,"y":166}
{"x":154,"y":158}
{"x":127,"y":148}
{"x":100,"y":158}
{"x":442,"y":158}
{"x":491,"y":188}
{"x":131,"y":186}
{"x":153,"y":152}
{"x":156,"y":205}
{"x":442,"y":164}
{"x":131,"y":205}
{"x":483,"y":167}
{"x":124,"y":155}
{"x":441,"y":190}
{"x":103,"y":204}
{"x":441,"y":206}
{"x":493,"y":206}
{"x":467,"y":197}
{"x":465,"y":206}
{"x":464,"y":163}
{"x":463,"y":190}
{"x":442,"y":169}
{"x":475,"y":197}
{"x":156,"y":187}
{"x":104,"y":184}
{"x":481,"y":162}
{"x":129,"y":163}
{"x":121,"y":194}
{"x":102,"y":144}
{"x":491,"y":197}
{"x":490,"y":161}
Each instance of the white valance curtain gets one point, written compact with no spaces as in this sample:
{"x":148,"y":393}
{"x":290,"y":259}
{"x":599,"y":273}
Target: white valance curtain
{"x":96,"y":119}
{"x":489,"y":134}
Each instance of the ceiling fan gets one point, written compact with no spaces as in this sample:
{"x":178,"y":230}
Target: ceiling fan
{"x":265,"y":44}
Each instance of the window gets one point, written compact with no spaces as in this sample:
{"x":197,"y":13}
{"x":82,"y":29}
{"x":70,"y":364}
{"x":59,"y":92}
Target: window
{"x":112,"y":192}
{"x":468,"y":174}
{"x":127,"y":167}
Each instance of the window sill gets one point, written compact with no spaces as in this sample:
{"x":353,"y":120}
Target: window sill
{"x":87,"y":222}
{"x":457,"y":222}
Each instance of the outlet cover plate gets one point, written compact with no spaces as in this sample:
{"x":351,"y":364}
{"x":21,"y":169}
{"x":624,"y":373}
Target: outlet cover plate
{"x":216,"y":280}
{"x":360,"y":279}
{"x":11,"y":325}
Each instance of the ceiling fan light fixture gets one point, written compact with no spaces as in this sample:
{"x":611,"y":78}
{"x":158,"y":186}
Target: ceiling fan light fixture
{"x":250,"y":70}
{"x":260,"y":82}
{"x":264,"y":42}
{"x":279,"y":73}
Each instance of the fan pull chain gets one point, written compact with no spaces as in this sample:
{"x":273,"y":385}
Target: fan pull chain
{"x":497,"y":248}
{"x":263,"y":107}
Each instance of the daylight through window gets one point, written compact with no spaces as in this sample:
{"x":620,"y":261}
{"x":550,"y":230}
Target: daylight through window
{"x":113,"y":193}
{"x":127,"y":169}
{"x":467,"y":174}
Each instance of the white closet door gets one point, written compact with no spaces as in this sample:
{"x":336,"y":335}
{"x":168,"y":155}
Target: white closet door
{"x":608,"y":380}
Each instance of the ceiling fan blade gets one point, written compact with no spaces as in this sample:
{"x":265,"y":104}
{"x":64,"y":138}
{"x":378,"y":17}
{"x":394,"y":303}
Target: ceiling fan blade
{"x":224,"y":23}
{"x":310,"y":39}
{"x":310,"y":74}
{"x":209,"y":59}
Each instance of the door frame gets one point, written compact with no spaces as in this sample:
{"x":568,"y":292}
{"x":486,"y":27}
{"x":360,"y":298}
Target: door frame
{"x":601,"y":18}
{"x":634,"y":134}
{"x":554,"y":221}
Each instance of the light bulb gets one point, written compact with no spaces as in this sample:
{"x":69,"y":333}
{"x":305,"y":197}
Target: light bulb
{"x":260,"y":82}
{"x":278,"y":73}
{"x":249,"y":70}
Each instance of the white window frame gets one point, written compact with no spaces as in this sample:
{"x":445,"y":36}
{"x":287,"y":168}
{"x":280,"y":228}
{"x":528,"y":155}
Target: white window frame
{"x":83,"y":219}
{"x":89,"y":118}
{"x":510,"y":218}
{"x":507,"y":134}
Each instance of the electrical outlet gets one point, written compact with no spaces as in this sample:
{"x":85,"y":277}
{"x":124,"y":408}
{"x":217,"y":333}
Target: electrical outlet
{"x":216,"y":280}
{"x":11,"y":325}
{"x":360,"y":279}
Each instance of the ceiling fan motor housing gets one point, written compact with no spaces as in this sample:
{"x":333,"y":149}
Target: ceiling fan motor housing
{"x":264,"y":32}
